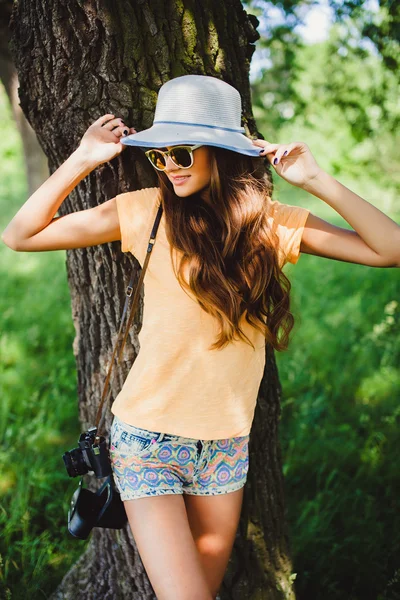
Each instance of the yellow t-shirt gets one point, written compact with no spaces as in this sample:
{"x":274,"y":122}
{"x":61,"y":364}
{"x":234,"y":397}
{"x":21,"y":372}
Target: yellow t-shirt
{"x":176,"y":384}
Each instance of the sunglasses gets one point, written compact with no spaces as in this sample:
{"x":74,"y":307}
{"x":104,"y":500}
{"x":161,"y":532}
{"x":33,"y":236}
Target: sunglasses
{"x":181,"y":156}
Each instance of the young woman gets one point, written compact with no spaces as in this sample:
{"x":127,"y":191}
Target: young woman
{"x":215,"y":292}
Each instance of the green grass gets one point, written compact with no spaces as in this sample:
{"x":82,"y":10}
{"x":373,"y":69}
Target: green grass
{"x":339,"y":428}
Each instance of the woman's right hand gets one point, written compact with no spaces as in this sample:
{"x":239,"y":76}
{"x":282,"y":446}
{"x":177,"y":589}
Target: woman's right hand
{"x":101,"y":141}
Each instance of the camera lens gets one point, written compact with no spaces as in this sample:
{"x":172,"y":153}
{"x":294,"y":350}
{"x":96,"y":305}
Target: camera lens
{"x":75,"y":463}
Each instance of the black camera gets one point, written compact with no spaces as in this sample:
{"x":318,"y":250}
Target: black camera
{"x":103,"y":508}
{"x":91,"y":455}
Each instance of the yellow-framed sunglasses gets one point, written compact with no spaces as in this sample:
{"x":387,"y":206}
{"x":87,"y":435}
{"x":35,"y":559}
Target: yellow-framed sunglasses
{"x":181,"y":156}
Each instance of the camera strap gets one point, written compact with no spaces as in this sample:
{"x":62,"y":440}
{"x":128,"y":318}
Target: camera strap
{"x":135,"y":302}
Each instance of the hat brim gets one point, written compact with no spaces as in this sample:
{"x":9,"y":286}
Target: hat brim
{"x":162,"y":134}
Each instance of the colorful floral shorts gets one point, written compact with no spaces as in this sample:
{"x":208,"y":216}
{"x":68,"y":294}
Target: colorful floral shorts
{"x":148,"y":463}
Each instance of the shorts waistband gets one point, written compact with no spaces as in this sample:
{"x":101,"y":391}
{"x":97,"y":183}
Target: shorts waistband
{"x":160,"y":435}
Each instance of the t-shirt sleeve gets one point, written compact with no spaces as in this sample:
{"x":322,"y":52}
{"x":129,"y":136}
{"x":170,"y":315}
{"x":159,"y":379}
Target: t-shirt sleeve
{"x":133,"y":210}
{"x":126,"y":216}
{"x":288,"y":222}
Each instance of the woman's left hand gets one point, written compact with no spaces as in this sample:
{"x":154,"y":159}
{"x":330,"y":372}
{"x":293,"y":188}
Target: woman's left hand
{"x":293,"y":162}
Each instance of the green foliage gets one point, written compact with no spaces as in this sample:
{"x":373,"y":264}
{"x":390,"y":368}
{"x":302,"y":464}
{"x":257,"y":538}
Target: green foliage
{"x":340,"y":430}
{"x":345,"y":106}
{"x":377,"y":26}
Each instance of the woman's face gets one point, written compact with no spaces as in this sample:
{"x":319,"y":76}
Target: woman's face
{"x":198,"y":176}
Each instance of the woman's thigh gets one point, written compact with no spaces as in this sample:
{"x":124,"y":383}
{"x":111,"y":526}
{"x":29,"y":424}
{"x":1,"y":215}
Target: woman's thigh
{"x":164,"y":540}
{"x":214,"y":521}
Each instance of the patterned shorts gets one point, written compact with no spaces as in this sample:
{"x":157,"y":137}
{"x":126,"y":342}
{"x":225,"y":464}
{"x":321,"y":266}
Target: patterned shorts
{"x":147,"y":463}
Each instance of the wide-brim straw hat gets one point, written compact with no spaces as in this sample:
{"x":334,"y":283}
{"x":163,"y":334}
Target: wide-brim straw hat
{"x":196,"y":109}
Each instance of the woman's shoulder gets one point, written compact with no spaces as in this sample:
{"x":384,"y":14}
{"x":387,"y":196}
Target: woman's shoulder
{"x":138,"y":205}
{"x":135,"y":210}
{"x":288,"y":222}
{"x":288,"y":215}
{"x":143,"y":196}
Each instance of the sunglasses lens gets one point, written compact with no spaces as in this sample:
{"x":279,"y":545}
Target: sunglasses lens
{"x":181,"y":157}
{"x":157,"y":159}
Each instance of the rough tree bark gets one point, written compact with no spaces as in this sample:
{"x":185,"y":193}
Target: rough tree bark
{"x":75,"y":62}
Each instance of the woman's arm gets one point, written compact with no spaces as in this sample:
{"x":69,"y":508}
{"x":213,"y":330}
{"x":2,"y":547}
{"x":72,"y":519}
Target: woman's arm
{"x":375,"y":239}
{"x":34,"y":227}
{"x":38,"y":211}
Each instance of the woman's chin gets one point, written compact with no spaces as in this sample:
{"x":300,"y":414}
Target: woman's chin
{"x":185,"y":190}
{"x":189,"y":189}
{"x":183,"y":193}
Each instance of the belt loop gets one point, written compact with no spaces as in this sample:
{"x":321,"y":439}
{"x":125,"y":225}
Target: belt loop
{"x":161,"y":437}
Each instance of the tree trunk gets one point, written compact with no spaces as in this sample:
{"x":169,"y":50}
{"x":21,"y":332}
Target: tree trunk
{"x":76,"y":62}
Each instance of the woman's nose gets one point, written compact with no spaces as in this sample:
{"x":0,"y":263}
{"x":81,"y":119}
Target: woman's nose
{"x":168,"y":158}
{"x":169,"y":164}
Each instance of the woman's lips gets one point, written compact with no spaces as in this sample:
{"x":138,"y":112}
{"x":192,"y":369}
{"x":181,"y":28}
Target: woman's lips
{"x":180,"y":180}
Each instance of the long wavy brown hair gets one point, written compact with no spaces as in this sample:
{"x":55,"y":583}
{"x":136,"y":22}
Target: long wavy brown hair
{"x":229,"y":249}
